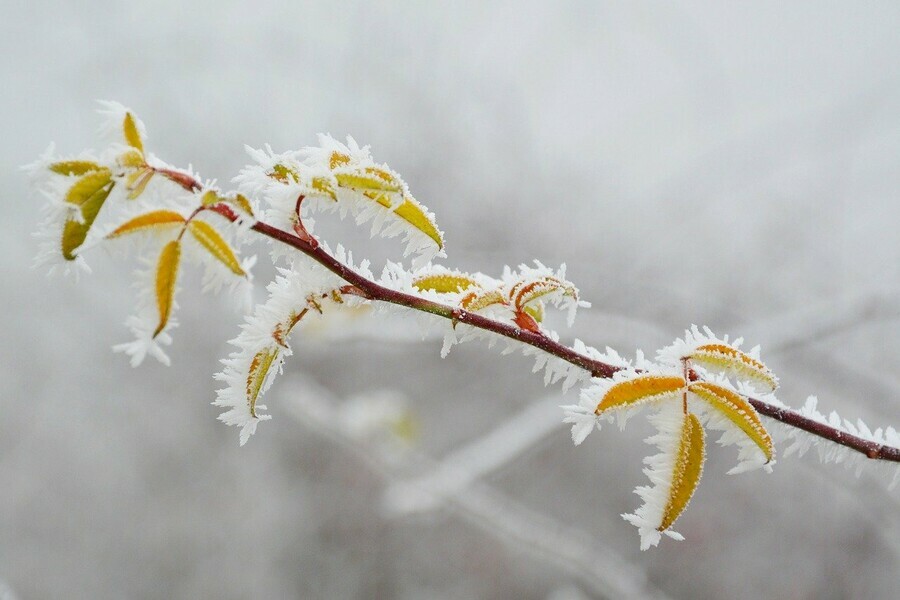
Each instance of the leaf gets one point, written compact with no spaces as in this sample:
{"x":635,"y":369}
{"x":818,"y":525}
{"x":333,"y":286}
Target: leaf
{"x":475,"y":301}
{"x":75,"y":231}
{"x":210,"y":239}
{"x":137,"y":182}
{"x":687,"y":470}
{"x":536,"y":311}
{"x":444,"y":283}
{"x":413,"y":213}
{"x":283,"y":329}
{"x":150,"y":220}
{"x":367,"y":181}
{"x":209,"y":197}
{"x":323,"y":186}
{"x":283,"y":172}
{"x":526,"y":321}
{"x":527,"y":291}
{"x":131,"y":158}
{"x":737,"y":410}
{"x":418,"y":218}
{"x":256,"y":377}
{"x":242,"y":203}
{"x":724,"y":358}
{"x":337,"y":160}
{"x":639,"y":390}
{"x":132,"y":135}
{"x":74,"y":167}
{"x":166,"y":277}
{"x":87,"y":186}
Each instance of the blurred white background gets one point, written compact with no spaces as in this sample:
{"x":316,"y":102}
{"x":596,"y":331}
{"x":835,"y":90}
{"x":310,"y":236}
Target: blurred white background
{"x":729,"y":164}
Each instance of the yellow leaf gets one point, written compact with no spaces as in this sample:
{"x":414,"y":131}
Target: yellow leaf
{"x":209,"y":197}
{"x":641,"y":389}
{"x":737,"y":410}
{"x":74,"y":167}
{"x":686,"y":472}
{"x":131,"y":158}
{"x":536,"y":311}
{"x":137,"y":182}
{"x":444,"y":283}
{"x":366,"y":181}
{"x":413,"y":213}
{"x":283,"y":172}
{"x":256,"y":378}
{"x":132,"y":135}
{"x":322,"y":185}
{"x":166,"y":278}
{"x":210,"y":239}
{"x":75,"y":231}
{"x":724,"y":358}
{"x":242,"y":203}
{"x":87,"y":186}
{"x":154,"y":219}
{"x":337,"y":160}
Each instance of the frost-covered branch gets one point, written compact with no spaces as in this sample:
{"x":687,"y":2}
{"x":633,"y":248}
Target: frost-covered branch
{"x":700,"y":382}
{"x":597,"y":368}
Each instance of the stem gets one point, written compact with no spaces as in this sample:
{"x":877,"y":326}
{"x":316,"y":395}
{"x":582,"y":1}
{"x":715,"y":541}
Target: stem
{"x":375,"y":291}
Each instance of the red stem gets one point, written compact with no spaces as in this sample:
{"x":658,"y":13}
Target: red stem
{"x":596,"y":368}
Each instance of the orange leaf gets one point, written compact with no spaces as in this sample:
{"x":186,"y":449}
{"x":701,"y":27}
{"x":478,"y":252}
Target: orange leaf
{"x":737,"y":410}
{"x":687,"y":470}
{"x":644,"y":388}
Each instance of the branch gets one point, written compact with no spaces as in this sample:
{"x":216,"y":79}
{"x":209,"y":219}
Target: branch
{"x":374,"y":291}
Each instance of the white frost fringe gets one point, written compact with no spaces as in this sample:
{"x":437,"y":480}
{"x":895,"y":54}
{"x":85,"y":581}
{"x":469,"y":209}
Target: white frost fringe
{"x":668,"y":420}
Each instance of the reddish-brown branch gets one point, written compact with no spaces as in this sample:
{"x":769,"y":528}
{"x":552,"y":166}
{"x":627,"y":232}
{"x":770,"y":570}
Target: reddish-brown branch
{"x":374,"y":291}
